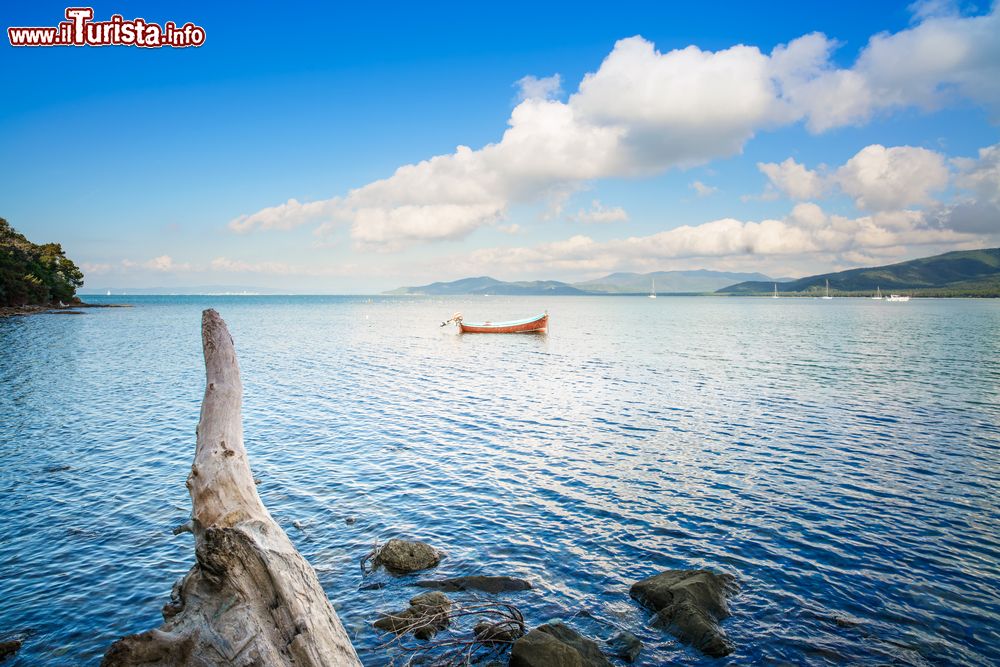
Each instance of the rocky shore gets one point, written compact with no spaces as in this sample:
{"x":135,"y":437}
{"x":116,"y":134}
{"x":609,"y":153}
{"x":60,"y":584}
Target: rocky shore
{"x":56,"y":309}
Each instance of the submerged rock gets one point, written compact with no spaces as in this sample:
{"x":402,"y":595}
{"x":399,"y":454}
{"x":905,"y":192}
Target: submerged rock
{"x":492,"y":633}
{"x":477,"y":583}
{"x":689,"y":604}
{"x":427,"y":613}
{"x":625,"y":645}
{"x":556,"y":645}
{"x":403,"y":557}
{"x":9,"y":648}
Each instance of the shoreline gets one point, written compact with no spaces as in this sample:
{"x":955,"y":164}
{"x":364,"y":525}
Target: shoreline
{"x":68,"y":309}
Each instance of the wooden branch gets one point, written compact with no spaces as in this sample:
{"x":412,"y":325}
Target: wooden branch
{"x":250,"y":598}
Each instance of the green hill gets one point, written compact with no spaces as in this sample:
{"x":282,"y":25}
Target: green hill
{"x":32,"y":274}
{"x":960,"y":273}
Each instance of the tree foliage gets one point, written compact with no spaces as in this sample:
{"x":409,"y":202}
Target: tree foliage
{"x":34,"y":274}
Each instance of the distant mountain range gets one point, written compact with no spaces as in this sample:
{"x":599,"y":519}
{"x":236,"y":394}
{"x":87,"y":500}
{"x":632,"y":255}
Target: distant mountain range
{"x":487,"y":285}
{"x":667,"y":282}
{"x":674,"y":282}
{"x":961,"y":273}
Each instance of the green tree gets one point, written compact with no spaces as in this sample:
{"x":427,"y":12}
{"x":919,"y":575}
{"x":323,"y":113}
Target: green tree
{"x":34,"y":274}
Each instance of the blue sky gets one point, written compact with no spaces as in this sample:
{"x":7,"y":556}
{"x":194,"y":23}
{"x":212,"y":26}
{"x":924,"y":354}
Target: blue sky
{"x":162,"y":167}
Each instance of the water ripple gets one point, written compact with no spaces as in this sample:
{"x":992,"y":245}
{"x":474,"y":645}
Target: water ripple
{"x":838,"y":457}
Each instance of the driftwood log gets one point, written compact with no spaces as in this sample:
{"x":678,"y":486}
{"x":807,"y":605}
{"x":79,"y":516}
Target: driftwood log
{"x":250,"y":598}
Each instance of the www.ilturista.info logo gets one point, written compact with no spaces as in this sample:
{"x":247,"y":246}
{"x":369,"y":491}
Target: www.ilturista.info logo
{"x":79,"y":29}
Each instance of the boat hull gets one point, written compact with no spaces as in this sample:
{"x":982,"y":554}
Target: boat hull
{"x":537,"y":325}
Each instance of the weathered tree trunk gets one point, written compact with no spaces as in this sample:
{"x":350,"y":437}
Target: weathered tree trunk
{"x":250,"y":598}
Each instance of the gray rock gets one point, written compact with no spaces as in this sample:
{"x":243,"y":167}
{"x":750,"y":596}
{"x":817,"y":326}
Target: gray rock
{"x":403,"y":557}
{"x":427,"y":613}
{"x":556,"y":645}
{"x":625,"y":645}
{"x":689,"y":605}
{"x":9,"y":648}
{"x":491,"y":633}
{"x":477,"y":583}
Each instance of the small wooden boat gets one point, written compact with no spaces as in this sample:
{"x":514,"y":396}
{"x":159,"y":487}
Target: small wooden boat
{"x":536,"y":324}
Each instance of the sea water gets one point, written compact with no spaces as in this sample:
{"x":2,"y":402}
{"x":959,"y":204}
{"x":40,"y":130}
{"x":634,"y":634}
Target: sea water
{"x":840,"y":458}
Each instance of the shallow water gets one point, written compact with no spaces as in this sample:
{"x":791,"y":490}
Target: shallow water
{"x":839,"y":457}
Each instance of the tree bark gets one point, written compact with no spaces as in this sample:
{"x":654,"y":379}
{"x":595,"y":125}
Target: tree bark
{"x":250,"y":598}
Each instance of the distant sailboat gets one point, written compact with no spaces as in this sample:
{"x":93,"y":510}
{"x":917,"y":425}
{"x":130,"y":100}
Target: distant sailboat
{"x":109,"y":293}
{"x":878,"y":294}
{"x":652,"y":288}
{"x":775,"y":296}
{"x":827,"y":296}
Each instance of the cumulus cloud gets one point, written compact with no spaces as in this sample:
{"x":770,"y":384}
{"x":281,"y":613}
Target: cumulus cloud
{"x":944,"y":57}
{"x":981,"y":176}
{"x":977,"y":209}
{"x":544,"y":88}
{"x":876,"y":177}
{"x":880,"y":178}
{"x":806,"y":230}
{"x":703,"y":190}
{"x":289,"y":215}
{"x":644,"y":111}
{"x":793,"y":179}
{"x":599,"y":213}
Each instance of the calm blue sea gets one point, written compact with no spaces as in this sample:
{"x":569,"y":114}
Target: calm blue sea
{"x":841,"y":458}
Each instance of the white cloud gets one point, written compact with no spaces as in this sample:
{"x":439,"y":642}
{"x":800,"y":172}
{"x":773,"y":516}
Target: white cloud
{"x":679,"y":108}
{"x":283,"y":216}
{"x":880,"y":178}
{"x":545,"y":88}
{"x":925,"y":9}
{"x":793,"y":179}
{"x":598,"y":213}
{"x":978,"y":208}
{"x":807,"y":231}
{"x":703,"y":190}
{"x":162,"y":264}
{"x":95,"y":268}
{"x":876,"y":177}
{"x":944,"y":57}
{"x":644,"y":111}
{"x":981,"y":176}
